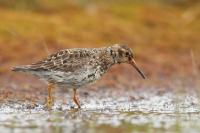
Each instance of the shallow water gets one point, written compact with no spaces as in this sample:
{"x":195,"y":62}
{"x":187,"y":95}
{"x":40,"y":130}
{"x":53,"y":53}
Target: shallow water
{"x":144,"y":110}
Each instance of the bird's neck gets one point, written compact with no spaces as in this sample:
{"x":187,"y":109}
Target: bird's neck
{"x":106,"y":61}
{"x":113,"y":55}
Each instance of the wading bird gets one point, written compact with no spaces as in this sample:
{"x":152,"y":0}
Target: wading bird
{"x":77,"y":67}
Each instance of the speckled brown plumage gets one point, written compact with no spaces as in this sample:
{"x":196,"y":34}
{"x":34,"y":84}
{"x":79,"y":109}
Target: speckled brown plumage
{"x":77,"y":67}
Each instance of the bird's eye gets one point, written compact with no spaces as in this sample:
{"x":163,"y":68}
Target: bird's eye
{"x":127,"y":54}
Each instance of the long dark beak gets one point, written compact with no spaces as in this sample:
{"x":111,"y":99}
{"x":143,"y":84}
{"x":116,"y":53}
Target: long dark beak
{"x":133,"y":63}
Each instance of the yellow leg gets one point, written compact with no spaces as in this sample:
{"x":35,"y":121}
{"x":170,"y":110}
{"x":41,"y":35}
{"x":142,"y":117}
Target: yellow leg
{"x":49,"y":101}
{"x":75,"y":98}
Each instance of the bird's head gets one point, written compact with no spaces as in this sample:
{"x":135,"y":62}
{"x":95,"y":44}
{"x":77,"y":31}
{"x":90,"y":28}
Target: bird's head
{"x":124,"y":54}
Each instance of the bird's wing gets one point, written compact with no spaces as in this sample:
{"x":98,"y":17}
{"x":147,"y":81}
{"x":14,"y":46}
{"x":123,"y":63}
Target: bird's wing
{"x":67,"y":60}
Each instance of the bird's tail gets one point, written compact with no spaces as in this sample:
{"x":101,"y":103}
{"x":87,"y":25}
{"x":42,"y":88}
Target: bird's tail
{"x":24,"y":68}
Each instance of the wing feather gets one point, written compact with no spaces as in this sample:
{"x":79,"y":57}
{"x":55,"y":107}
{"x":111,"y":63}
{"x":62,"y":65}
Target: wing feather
{"x":64,"y":60}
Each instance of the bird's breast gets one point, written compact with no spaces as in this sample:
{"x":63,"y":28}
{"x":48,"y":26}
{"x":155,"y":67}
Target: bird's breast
{"x":78,"y":78}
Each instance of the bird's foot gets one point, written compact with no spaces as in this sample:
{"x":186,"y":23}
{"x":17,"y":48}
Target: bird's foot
{"x":49,"y":103}
{"x":76,"y":101}
{"x":50,"y":99}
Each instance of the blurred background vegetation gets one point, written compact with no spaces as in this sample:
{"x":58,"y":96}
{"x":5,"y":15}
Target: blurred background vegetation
{"x":164,"y":34}
{"x":165,"y":38}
